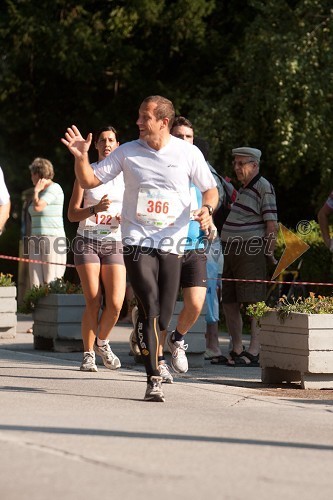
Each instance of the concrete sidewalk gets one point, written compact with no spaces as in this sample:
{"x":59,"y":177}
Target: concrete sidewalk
{"x":220,"y":434}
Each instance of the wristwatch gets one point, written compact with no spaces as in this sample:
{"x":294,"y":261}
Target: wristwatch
{"x":92,"y":210}
{"x":210,"y":209}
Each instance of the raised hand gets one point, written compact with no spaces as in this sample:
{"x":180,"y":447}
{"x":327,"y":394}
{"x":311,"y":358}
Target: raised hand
{"x":40,"y":185}
{"x":75,"y":143}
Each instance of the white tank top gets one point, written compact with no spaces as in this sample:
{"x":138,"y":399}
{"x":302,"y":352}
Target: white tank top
{"x":103,"y":225}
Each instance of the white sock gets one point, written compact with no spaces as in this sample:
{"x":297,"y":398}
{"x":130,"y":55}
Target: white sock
{"x":102,"y":343}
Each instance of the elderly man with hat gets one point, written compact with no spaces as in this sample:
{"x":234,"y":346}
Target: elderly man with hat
{"x":248,"y":238}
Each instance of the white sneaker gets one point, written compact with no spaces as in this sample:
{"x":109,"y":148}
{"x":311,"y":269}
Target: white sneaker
{"x":179,"y":361}
{"x":134,"y":346}
{"x":154,"y":390}
{"x":165,"y":373}
{"x":110,"y":360}
{"x":135,"y":315}
{"x":88,"y":364}
{"x":133,"y":341}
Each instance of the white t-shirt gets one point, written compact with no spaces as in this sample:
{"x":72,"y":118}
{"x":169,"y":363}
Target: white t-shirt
{"x":4,"y":195}
{"x":103,"y":225}
{"x":157,"y":199}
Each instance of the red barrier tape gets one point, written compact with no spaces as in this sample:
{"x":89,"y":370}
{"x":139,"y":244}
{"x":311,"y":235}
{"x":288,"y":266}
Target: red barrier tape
{"x":271,"y":282}
{"x":315,"y":283}
{"x":21,"y":259}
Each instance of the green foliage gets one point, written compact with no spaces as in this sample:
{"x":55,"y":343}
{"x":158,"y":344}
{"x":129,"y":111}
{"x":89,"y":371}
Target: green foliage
{"x":247,"y":72}
{"x":308,"y":305}
{"x":6,"y":280}
{"x":258,"y":310}
{"x":58,"y":286}
{"x":273,"y":90}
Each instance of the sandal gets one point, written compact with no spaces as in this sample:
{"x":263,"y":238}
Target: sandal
{"x":219,"y":360}
{"x":239,"y":360}
{"x":222,"y":360}
{"x":209,"y":355}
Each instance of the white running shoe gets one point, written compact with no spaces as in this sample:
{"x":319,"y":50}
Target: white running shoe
{"x":134,"y":346}
{"x":179,"y":361}
{"x":135,"y":315}
{"x":133,"y":341}
{"x":88,"y":363}
{"x":165,"y":373}
{"x":154,"y":390}
{"x":110,"y":360}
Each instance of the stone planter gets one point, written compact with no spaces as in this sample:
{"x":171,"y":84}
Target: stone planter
{"x":195,"y":338}
{"x":57,"y":323}
{"x":298,"y":349}
{"x":8,"y":308}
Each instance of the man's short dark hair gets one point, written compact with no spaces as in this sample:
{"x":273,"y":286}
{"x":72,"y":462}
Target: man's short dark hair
{"x":181,"y":121}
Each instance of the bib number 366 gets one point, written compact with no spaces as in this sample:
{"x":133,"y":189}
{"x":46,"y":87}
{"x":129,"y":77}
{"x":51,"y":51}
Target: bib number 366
{"x":157,"y":206}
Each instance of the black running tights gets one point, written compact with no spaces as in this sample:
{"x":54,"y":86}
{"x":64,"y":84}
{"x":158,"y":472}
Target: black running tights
{"x":154,"y":276}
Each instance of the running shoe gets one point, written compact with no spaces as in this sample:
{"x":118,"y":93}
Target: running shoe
{"x":134,"y":347}
{"x":165,"y":373}
{"x":133,"y":341}
{"x":179,"y":361}
{"x":109,"y":359}
{"x":154,"y":390}
{"x":135,"y":315}
{"x":88,"y":363}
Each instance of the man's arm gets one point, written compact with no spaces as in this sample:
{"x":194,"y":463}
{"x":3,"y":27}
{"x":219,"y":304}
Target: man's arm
{"x":271,"y":230}
{"x":4,"y":215}
{"x":202,"y":215}
{"x":210,"y":197}
{"x":85,"y":173}
{"x":323,"y":216}
{"x":79,"y":148}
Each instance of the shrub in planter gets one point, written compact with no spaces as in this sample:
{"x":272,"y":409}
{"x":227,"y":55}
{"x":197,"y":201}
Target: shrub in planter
{"x":8,"y":306}
{"x":296,"y":341}
{"x":309,"y":305}
{"x":6,"y":280}
{"x":58,"y":286}
{"x":57,"y":309}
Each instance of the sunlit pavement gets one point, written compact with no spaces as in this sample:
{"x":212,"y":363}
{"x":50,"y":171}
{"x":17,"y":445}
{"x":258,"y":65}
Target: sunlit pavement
{"x":220,"y":434}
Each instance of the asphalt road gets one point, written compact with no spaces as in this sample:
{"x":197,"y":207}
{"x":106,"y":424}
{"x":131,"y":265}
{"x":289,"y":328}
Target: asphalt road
{"x":220,"y":434}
